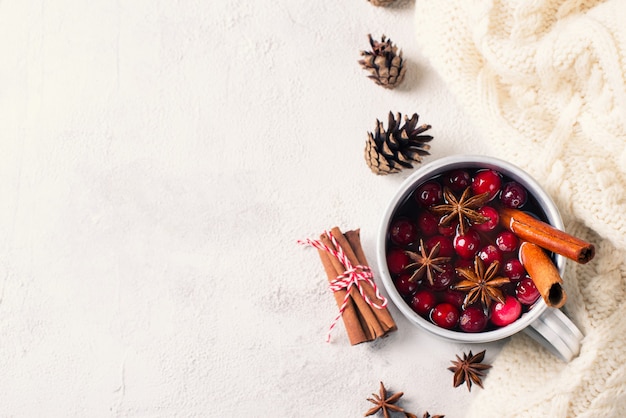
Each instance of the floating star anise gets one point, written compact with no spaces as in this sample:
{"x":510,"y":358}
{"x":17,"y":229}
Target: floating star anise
{"x":463,"y":208}
{"x":385,"y":403}
{"x":480,"y":284}
{"x":425,"y":263}
{"x":470,"y":369}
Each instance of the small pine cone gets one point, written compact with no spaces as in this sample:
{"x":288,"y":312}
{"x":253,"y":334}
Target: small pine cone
{"x":384,"y":63}
{"x":398,"y":147}
{"x":381,"y":3}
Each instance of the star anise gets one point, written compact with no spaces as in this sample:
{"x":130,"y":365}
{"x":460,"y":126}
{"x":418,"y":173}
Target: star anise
{"x":480,"y":284}
{"x":470,"y":369}
{"x":386,"y":404}
{"x":426,"y":263}
{"x":427,"y":415}
{"x":463,"y":208}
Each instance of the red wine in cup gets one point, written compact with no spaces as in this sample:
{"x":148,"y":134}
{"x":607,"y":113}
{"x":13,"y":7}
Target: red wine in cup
{"x":414,"y":221}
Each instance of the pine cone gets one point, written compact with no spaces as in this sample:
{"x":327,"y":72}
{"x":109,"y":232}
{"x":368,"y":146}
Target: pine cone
{"x":398,"y":147}
{"x":384,"y":63}
{"x":381,"y":3}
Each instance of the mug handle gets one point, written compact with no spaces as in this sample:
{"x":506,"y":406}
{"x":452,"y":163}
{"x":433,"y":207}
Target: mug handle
{"x":557,"y":333}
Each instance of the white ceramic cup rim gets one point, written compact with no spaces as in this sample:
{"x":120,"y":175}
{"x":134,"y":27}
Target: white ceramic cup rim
{"x":437,"y":167}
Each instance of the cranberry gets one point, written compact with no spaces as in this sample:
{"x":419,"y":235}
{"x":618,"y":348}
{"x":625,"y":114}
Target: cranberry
{"x":466,"y":246}
{"x":449,"y":230}
{"x":504,"y":313}
{"x":427,"y":223}
{"x":423,"y":301}
{"x":487,"y":181}
{"x":493,"y":219}
{"x":397,"y":260}
{"x":404,"y":286}
{"x":429,"y":193}
{"x":526,"y":291}
{"x":513,"y":195}
{"x":444,"y":278}
{"x":446,"y":249}
{"x":403,"y":231}
{"x":489,"y":254}
{"x":473,"y":319}
{"x":507,"y":241}
{"x":445,"y":315}
{"x":458,"y":180}
{"x":453,"y":297}
{"x":514,"y":270}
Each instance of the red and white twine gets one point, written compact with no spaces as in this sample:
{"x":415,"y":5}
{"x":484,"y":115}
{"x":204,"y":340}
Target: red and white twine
{"x":352,"y":276}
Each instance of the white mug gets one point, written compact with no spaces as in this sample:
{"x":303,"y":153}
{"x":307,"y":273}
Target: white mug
{"x":549,"y":326}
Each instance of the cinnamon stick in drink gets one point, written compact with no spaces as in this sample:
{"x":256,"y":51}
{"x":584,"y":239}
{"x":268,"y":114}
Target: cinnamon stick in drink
{"x":531,"y":229}
{"x":543,"y":273}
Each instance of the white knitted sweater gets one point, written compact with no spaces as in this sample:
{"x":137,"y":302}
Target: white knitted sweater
{"x":545,"y":81}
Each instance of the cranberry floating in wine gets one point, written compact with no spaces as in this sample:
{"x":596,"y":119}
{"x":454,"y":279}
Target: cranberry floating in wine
{"x":513,"y":195}
{"x":445,"y":315}
{"x":487,"y":181}
{"x":423,"y":301}
{"x":403,"y":231}
{"x":429,"y":193}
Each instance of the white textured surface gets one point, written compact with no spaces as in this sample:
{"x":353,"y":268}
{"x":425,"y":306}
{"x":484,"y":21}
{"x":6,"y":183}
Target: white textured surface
{"x":158,"y":162}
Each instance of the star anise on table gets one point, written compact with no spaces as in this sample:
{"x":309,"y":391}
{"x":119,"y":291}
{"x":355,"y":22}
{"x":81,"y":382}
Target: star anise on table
{"x":425,"y":263}
{"x":470,"y":369}
{"x":464,"y":208}
{"x":480,"y":284}
{"x":427,"y":415}
{"x":386,"y":404}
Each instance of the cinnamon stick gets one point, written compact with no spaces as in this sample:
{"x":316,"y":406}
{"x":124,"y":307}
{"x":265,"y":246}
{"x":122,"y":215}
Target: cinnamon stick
{"x":543,"y":273}
{"x":351,"y":322}
{"x":369,"y":322}
{"x":362,"y":321}
{"x":546,"y":236}
{"x":383,"y":315}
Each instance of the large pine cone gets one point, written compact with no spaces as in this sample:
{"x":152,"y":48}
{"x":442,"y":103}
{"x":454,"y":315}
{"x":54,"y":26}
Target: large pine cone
{"x":398,"y":147}
{"x":384,"y":63}
{"x":381,"y":3}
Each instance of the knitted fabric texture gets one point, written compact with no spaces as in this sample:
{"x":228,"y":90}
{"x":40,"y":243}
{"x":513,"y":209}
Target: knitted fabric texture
{"x":545,"y":81}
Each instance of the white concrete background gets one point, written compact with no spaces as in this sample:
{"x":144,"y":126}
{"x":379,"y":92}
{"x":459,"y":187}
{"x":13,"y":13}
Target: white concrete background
{"x":158,"y":161}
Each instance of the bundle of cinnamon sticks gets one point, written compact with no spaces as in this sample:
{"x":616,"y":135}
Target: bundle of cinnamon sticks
{"x":537,"y":238}
{"x":362,"y":321}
